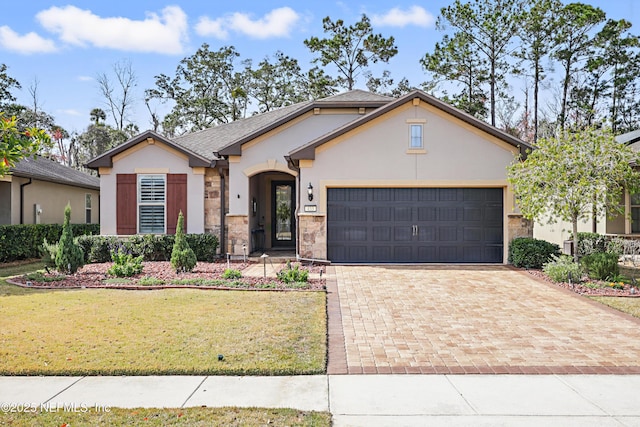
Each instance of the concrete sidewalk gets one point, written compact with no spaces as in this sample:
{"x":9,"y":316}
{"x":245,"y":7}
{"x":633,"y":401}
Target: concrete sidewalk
{"x":362,"y":400}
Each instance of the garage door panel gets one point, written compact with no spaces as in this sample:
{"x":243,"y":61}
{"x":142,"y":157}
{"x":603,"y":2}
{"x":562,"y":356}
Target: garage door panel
{"x":415,"y":224}
{"x":472,"y":234}
{"x":403,"y":213}
{"x":382,"y":213}
{"x":402,"y":234}
{"x":381,"y":253}
{"x":448,"y":214}
{"x":402,"y":253}
{"x":472,"y":214}
{"x":448,"y":234}
{"x":358,"y":214}
{"x":382,"y":234}
{"x":358,"y":253}
{"x":427,"y":213}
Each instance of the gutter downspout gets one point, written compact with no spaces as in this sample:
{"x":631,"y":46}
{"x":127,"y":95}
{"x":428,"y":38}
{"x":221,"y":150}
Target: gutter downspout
{"x":22,"y":199}
{"x":293,"y":166}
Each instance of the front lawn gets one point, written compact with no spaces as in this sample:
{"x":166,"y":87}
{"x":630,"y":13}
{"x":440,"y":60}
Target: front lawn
{"x":16,"y":269}
{"x":627,"y":305}
{"x":171,"y":417}
{"x":173,"y":331}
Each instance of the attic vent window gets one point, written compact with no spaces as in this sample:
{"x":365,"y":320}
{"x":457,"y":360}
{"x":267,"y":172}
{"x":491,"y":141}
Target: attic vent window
{"x":415,"y":138}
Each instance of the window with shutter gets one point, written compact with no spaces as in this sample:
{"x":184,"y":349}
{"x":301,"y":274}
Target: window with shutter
{"x":151,"y":203}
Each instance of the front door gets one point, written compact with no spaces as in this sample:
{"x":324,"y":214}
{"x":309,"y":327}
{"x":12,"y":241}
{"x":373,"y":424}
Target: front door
{"x":283,"y":227}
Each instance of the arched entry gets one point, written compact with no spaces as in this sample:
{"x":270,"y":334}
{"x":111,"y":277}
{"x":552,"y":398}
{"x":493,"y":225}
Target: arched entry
{"x":272,"y":211}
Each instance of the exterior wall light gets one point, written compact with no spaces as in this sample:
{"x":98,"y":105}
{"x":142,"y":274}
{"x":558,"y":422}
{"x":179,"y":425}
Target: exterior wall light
{"x":310,"y":192}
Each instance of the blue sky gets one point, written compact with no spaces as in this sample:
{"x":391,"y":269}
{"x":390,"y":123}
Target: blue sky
{"x":65,"y":45}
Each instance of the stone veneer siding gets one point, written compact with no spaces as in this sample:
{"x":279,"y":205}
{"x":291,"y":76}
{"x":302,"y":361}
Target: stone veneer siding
{"x":313,"y":241}
{"x":237,"y":234}
{"x":518,"y":226}
{"x":212,"y":218}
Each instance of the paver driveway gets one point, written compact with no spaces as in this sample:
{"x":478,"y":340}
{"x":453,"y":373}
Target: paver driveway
{"x":471,"y":319}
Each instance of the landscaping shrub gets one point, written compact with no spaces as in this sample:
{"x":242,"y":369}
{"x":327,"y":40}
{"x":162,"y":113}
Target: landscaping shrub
{"x":49,"y":251}
{"x":589,"y":243}
{"x":153,"y":247}
{"x":563,"y":269}
{"x":601,"y":265}
{"x":204,"y":246}
{"x":69,"y":256}
{"x":124,"y":264}
{"x":182,"y":256}
{"x":23,"y":241}
{"x":526,"y":252}
{"x":231,"y":273}
{"x":292,"y":274}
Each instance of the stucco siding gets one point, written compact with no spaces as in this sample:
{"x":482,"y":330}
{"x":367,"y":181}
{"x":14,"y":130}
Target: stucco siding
{"x":264,"y":153}
{"x":52,"y":199}
{"x":146,"y":159}
{"x":379,"y":153}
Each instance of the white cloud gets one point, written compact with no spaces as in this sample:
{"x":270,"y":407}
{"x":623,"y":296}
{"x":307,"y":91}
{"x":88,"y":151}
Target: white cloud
{"x":164,"y":33}
{"x":208,"y":27}
{"x":85,"y":78}
{"x":277,"y":23}
{"x":71,"y":112}
{"x":397,"y":17}
{"x":26,"y":44}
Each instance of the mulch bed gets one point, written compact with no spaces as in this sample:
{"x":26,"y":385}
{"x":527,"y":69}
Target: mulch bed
{"x":603,"y":291}
{"x":95,"y":276}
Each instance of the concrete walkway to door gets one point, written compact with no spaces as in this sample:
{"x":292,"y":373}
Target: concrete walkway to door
{"x":471,"y":319}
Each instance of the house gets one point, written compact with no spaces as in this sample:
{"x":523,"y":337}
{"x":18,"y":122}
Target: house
{"x":355,"y":177}
{"x":38,"y":189}
{"x":625,"y":225}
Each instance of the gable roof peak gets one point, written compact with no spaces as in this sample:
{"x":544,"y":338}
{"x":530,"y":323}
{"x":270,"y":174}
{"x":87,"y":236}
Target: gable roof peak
{"x":356,"y":95}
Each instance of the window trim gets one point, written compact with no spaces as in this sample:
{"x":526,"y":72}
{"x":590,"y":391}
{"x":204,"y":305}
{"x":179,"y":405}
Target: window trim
{"x":413,"y":138}
{"x":140,"y":203}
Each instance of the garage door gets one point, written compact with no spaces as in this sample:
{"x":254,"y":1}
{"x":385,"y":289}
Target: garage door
{"x":415,"y":225}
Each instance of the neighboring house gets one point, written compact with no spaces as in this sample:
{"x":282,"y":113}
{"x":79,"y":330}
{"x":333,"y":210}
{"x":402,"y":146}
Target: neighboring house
{"x":626,"y":225}
{"x":38,"y":189}
{"x":355,"y":177}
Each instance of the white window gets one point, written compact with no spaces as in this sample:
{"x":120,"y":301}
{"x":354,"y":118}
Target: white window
{"x":87,"y":208}
{"x":151,"y":203}
{"x":415,"y":136}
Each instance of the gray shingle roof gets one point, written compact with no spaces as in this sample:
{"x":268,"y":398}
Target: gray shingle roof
{"x":49,"y":170}
{"x":228,"y":137}
{"x":629,"y":137}
{"x":356,"y":95}
{"x":208,"y":141}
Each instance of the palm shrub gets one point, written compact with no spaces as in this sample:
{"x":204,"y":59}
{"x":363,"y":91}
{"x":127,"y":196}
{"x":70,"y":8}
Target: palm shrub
{"x":124,"y":264}
{"x":182,"y":256}
{"x":69,"y":257}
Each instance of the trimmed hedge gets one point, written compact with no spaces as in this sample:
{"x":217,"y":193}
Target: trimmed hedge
{"x":151,"y":247}
{"x":526,"y":252}
{"x":24,"y":241}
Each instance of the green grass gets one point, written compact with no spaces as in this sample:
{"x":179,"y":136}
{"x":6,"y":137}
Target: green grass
{"x":626,"y":305}
{"x":17,"y":269}
{"x":171,"y":417}
{"x":173,"y":331}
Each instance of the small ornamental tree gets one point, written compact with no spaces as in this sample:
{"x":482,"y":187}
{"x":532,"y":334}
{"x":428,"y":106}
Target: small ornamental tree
{"x":182,"y":256}
{"x":69,"y":257}
{"x":574,"y":176}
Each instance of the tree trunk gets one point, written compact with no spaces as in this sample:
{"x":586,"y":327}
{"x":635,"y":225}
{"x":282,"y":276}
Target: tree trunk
{"x":536,"y":84}
{"x":575,"y":238}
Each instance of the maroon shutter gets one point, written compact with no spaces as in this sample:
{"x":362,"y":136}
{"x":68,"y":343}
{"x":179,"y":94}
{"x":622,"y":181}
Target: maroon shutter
{"x":126,"y":202}
{"x":176,"y":200}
